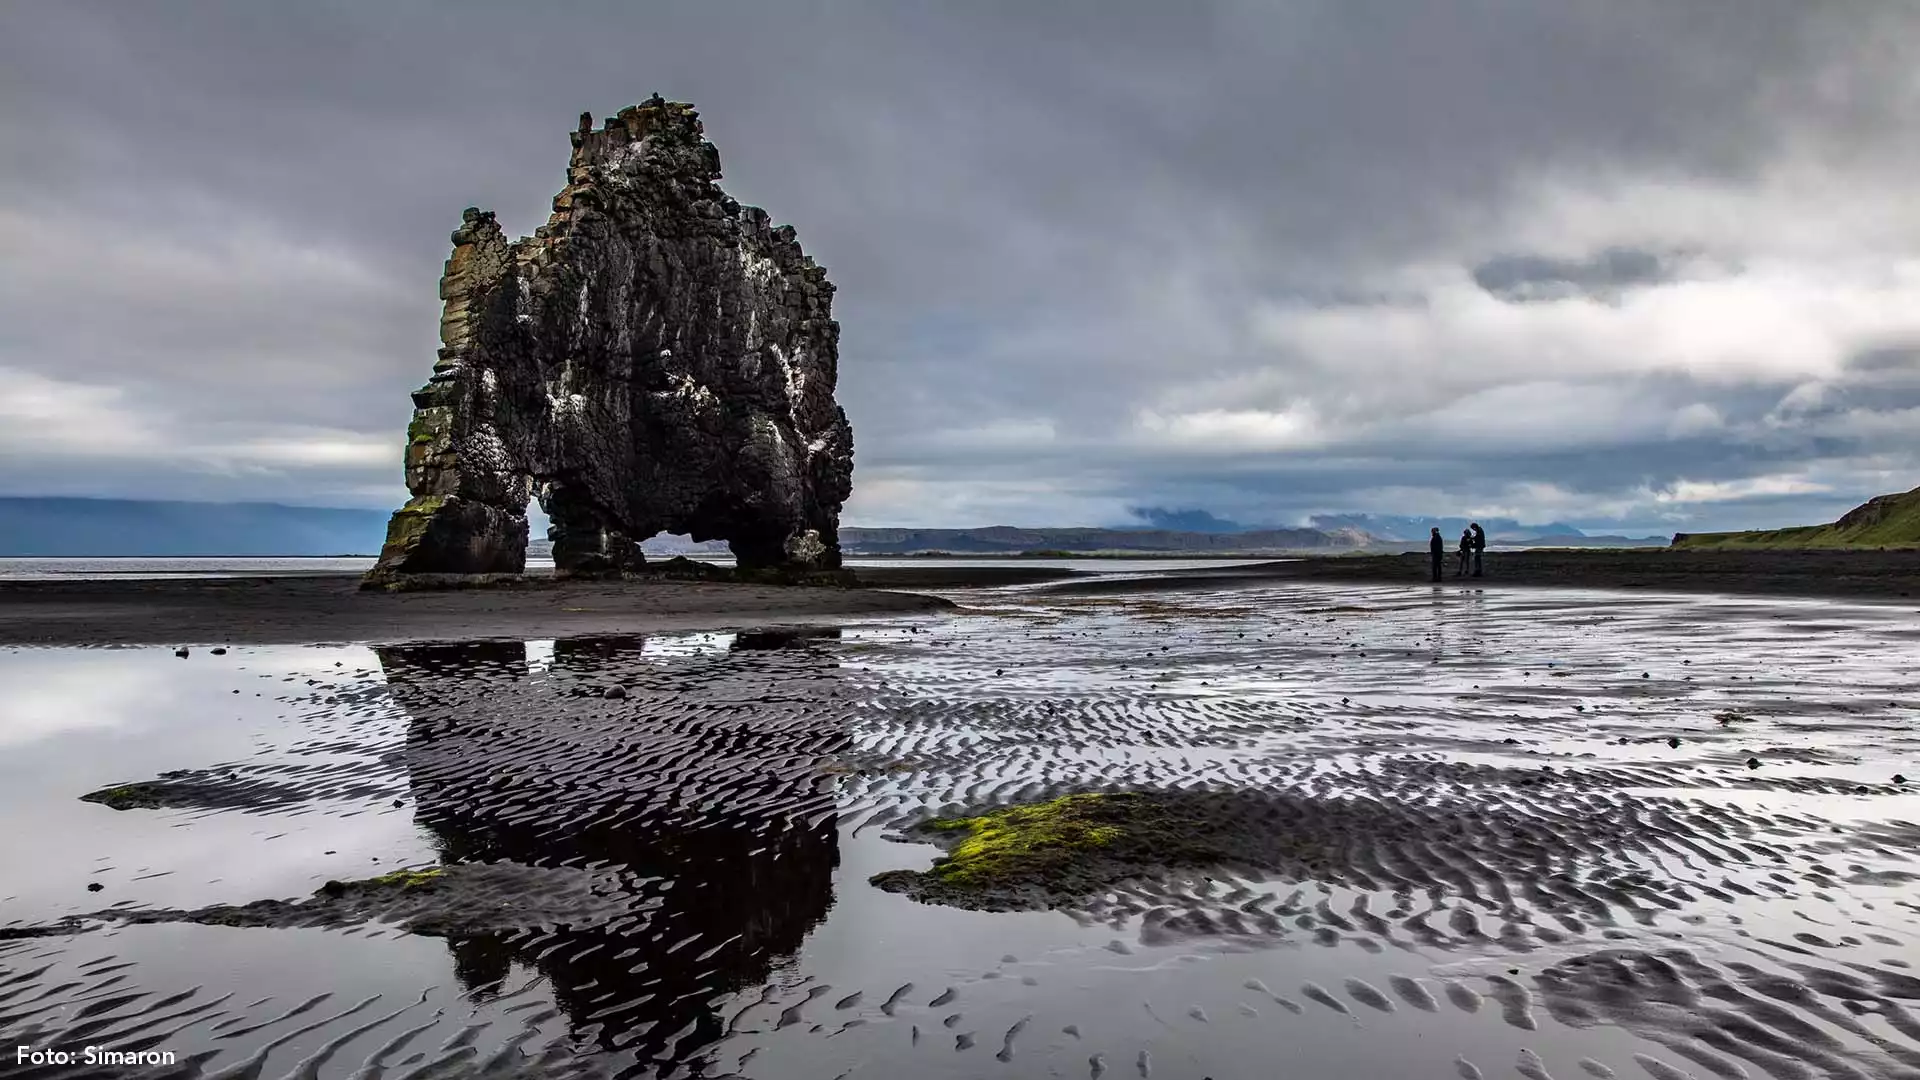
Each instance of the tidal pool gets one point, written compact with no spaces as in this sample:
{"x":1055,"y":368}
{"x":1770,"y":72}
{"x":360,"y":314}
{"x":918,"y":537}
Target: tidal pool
{"x":1532,"y":833}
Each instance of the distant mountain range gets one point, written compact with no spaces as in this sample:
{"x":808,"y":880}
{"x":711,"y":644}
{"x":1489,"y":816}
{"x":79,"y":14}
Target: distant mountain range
{"x":36,"y":526}
{"x":1008,"y":540}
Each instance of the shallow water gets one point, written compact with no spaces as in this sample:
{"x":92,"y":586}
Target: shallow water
{"x":151,"y":568}
{"x":1513,"y":871}
{"x":163,"y":568}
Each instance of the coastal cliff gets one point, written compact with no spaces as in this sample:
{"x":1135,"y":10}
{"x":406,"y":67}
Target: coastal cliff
{"x":1880,"y":522}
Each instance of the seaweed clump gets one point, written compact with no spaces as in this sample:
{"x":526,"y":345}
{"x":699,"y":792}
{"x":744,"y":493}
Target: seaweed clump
{"x":1040,"y":855}
{"x":453,"y":900}
{"x":399,"y":879}
{"x":130,"y":797}
{"x":337,"y":903}
{"x":195,"y":789}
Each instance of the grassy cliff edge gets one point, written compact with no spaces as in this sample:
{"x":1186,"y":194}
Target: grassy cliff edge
{"x":1882,"y":522}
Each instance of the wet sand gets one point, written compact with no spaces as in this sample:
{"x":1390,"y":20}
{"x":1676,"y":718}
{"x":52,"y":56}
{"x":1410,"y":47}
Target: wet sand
{"x":1867,"y":575}
{"x":331,"y":608}
{"x":1534,"y":833}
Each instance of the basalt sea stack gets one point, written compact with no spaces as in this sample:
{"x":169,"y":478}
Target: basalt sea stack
{"x":655,"y":358}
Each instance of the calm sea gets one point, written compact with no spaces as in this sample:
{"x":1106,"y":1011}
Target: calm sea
{"x":151,"y":568}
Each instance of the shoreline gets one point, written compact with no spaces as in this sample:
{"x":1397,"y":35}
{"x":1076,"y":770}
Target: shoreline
{"x":1889,"y":576}
{"x":314,"y":609}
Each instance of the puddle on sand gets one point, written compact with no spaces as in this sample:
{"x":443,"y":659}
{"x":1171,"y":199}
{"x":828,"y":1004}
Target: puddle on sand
{"x":1513,"y":871}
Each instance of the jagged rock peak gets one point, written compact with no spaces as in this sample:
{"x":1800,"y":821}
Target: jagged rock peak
{"x":656,"y":357}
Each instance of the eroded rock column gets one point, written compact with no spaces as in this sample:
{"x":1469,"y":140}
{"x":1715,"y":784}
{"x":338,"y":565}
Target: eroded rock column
{"x":655,"y":358}
{"x":467,"y":515}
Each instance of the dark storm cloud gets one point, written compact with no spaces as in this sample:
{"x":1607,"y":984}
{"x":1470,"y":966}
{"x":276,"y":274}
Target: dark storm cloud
{"x":1090,"y":255}
{"x":1522,"y":278}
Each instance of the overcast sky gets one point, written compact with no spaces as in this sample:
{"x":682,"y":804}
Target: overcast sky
{"x":1651,"y":264}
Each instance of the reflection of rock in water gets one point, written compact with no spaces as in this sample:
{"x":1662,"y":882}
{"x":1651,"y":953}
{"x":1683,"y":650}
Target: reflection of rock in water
{"x":698,"y":780}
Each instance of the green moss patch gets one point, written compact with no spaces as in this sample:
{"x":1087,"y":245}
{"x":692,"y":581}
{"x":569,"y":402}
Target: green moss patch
{"x":409,"y":524}
{"x":1048,"y":854}
{"x":1026,"y":840}
{"x":1076,"y":851}
{"x":430,"y":424}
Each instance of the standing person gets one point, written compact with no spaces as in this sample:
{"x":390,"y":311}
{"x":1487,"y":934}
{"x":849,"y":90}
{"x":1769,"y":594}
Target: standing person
{"x":1466,"y":552}
{"x":1479,"y":545}
{"x":1438,"y":549}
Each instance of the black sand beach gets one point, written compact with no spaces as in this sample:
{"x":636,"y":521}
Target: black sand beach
{"x":323,"y":608}
{"x":328,"y":607}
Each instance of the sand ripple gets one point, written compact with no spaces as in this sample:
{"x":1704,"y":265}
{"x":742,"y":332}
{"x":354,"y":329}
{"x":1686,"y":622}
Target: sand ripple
{"x":1535,"y":834}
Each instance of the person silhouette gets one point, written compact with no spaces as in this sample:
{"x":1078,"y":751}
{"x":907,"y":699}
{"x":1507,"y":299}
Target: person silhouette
{"x":1466,"y":552}
{"x":1438,"y":549}
{"x":1479,"y":545}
